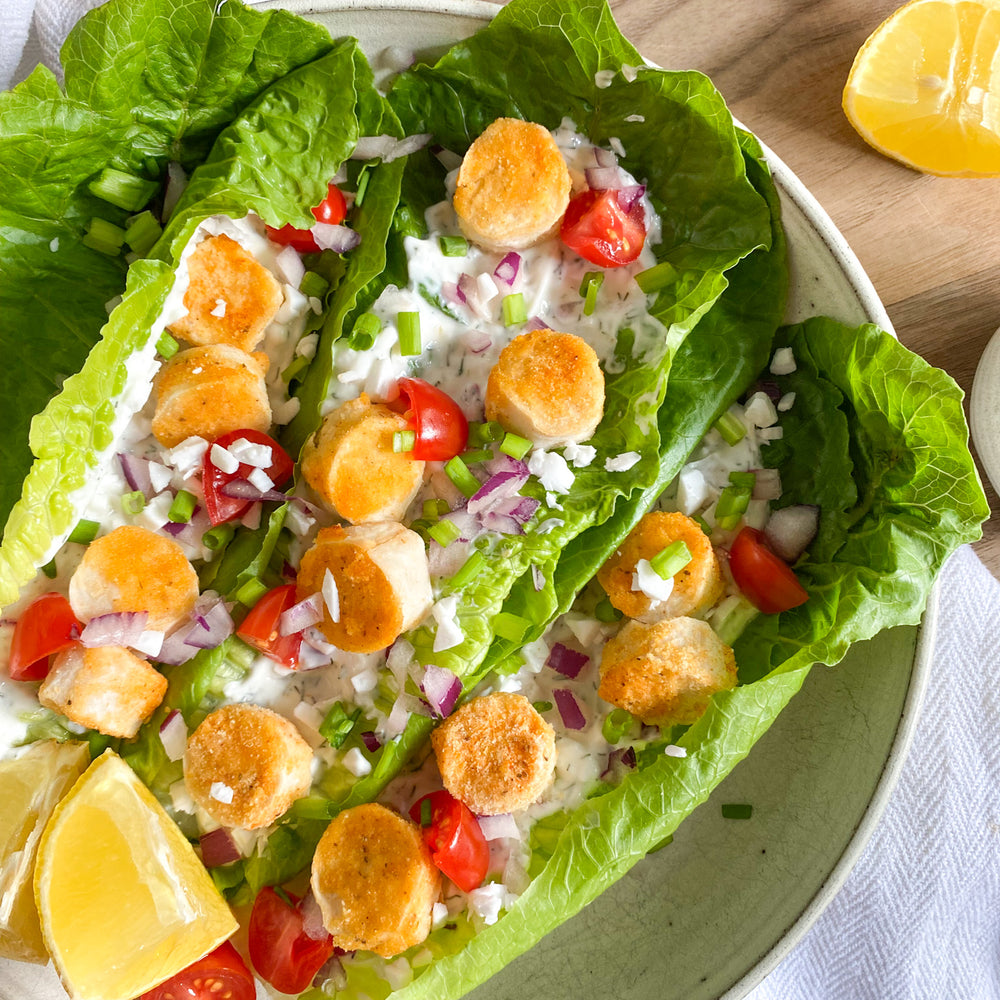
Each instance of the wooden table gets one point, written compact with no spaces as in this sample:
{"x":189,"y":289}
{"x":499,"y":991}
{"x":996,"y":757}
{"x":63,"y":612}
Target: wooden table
{"x":931,"y":245}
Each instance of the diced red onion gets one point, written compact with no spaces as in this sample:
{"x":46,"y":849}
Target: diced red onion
{"x":118,"y":628}
{"x":621,"y":760}
{"x":766,"y":484}
{"x":310,"y":657}
{"x":468,"y":525}
{"x":448,"y":159}
{"x":605,"y":157}
{"x":173,"y":735}
{"x":566,"y":661}
{"x":629,"y":196}
{"x":340,"y":239}
{"x":174,"y":528}
{"x":300,"y":616}
{"x":136,"y":473}
{"x":312,"y":918}
{"x":503,"y":826}
{"x":504,"y":463}
{"x":522,"y":509}
{"x":446,"y":561}
{"x":569,"y":710}
{"x":537,"y":578}
{"x":371,"y":741}
{"x":502,"y":524}
{"x":767,"y":386}
{"x":388,"y":147}
{"x":471,"y":293}
{"x":212,"y":622}
{"x":603,"y":178}
{"x":791,"y":529}
{"x":507,"y":270}
{"x":442,"y":689}
{"x":290,"y":265}
{"x":243,"y":489}
{"x":218,"y":848}
{"x":500,"y":486}
{"x":535,"y":323}
{"x":476,"y":341}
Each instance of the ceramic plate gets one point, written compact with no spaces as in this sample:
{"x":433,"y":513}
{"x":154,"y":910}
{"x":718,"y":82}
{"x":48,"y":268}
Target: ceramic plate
{"x":712,"y":913}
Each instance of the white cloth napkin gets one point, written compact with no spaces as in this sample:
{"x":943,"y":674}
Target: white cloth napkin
{"x":919,"y":917}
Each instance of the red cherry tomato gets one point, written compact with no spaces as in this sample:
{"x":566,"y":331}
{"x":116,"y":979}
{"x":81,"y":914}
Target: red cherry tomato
{"x":457,"y":845}
{"x":222,"y":508}
{"x":220,"y":973}
{"x":442,"y":431}
{"x":281,"y":951}
{"x":332,"y":210}
{"x":767,"y":581}
{"x":261,"y":629}
{"x":597,"y":228}
{"x":46,"y":627}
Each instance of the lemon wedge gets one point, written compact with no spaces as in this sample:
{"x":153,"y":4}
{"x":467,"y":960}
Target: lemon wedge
{"x":30,"y":787}
{"x":123,"y":900}
{"x":925,"y":87}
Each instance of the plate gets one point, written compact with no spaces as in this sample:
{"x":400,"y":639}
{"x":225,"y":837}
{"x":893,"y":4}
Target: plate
{"x":711,"y":914}
{"x":984,"y":410}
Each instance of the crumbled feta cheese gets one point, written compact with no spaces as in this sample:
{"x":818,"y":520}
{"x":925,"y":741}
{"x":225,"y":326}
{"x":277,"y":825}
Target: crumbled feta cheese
{"x":603,"y":78}
{"x":439,"y":914}
{"x":331,"y":596}
{"x":260,"y":479}
{"x":159,"y":476}
{"x":783,"y":362}
{"x":535,"y":654}
{"x":221,"y":792}
{"x":356,"y":762}
{"x":675,"y":751}
{"x":247,"y":452}
{"x":364,"y":681}
{"x":223,"y":459}
{"x":220,"y":308}
{"x":150,"y":642}
{"x":786,"y":402}
{"x":581,"y":455}
{"x":622,"y":462}
{"x":616,"y":144}
{"x":54,"y":244}
{"x":487,"y":902}
{"x":635,"y":118}
{"x":448,"y":633}
{"x":187,"y":456}
{"x":760,"y":410}
{"x":692,"y":490}
{"x":630,"y":73}
{"x":649,"y":582}
{"x":767,"y":434}
{"x":180,"y":797}
{"x":552,"y":470}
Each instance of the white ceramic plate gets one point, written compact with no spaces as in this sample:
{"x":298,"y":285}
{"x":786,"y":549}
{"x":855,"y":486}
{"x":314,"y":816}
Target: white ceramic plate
{"x":711,"y":914}
{"x":984,"y":410}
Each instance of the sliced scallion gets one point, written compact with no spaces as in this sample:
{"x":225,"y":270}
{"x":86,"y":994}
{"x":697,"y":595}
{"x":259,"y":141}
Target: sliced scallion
{"x":359,"y":195}
{"x":142,"y":233}
{"x":509,"y":626}
{"x":366,"y":328}
{"x":50,"y":570}
{"x":124,"y":190}
{"x":616,"y":724}
{"x":605,"y":611}
{"x":104,"y":236}
{"x":744,"y":479}
{"x":435,"y":507}
{"x":671,"y":559}
{"x":656,"y":277}
{"x":469,"y":571}
{"x":408,"y":326}
{"x":589,"y":288}
{"x":542,"y":706}
{"x":84,"y":532}
{"x":514,"y":310}
{"x":484,"y":433}
{"x":425,"y":812}
{"x":313,"y":285}
{"x":134,"y":502}
{"x":702,"y":523}
{"x":444,"y":532}
{"x":731,"y":505}
{"x":299,"y":364}
{"x":218,"y":537}
{"x":731,"y":428}
{"x":458,"y":472}
{"x":515,"y":445}
{"x":251,"y":592}
{"x":476,"y":455}
{"x":166,"y":346}
{"x":403,"y":441}
{"x":453,"y":246}
{"x":182,"y":508}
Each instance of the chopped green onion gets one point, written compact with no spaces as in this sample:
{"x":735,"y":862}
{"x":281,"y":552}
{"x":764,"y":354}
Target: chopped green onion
{"x":313,"y":285}
{"x":606,"y":612}
{"x":166,"y":346}
{"x":589,"y":288}
{"x":403,"y":441}
{"x":514,"y":445}
{"x":50,"y":570}
{"x":510,"y":627}
{"x":311,"y":807}
{"x":408,"y":325}
{"x":656,"y":277}
{"x":104,"y":236}
{"x":458,"y":473}
{"x":702,"y":523}
{"x":218,"y":537}
{"x":84,"y":532}
{"x":298,"y":364}
{"x":251,"y":592}
{"x":182,"y":508}
{"x":488,"y":433}
{"x":732,"y":618}
{"x":542,"y":706}
{"x":134,"y":502}
{"x":469,"y":571}
{"x":731,"y":506}
{"x":425,"y":812}
{"x":444,"y":532}
{"x":736,"y":810}
{"x":366,"y":328}
{"x":359,"y":195}
{"x":477,"y":455}
{"x":731,"y":428}
{"x":337,"y":725}
{"x":453,"y":246}
{"x":745,"y":479}
{"x":671,"y":559}
{"x":616,"y":724}
{"x":435,"y":508}
{"x":515,"y":311}
{"x":142,"y":233}
{"x":124,"y":190}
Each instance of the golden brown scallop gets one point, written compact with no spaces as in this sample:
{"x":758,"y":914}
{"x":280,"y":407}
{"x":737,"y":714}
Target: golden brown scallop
{"x":697,"y":587}
{"x":209,"y":391}
{"x":374,"y":880}
{"x":513,"y":186}
{"x":665,"y":673}
{"x":230,"y":297}
{"x":134,"y":569}
{"x":350,"y":463}
{"x":496,"y":753}
{"x":245,"y":765}
{"x":382,"y":582}
{"x":548,"y":387}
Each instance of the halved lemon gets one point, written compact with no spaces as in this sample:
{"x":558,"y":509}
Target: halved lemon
{"x":925,"y":87}
{"x":123,"y":900}
{"x":30,"y":787}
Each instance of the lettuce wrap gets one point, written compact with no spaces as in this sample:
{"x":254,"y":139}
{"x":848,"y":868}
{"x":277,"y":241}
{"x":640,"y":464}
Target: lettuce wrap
{"x":261,"y":110}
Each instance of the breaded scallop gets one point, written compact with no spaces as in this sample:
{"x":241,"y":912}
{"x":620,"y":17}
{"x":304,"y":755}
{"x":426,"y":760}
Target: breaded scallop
{"x":209,"y":391}
{"x":230,"y":297}
{"x":107,"y":688}
{"x":664,"y":673}
{"x":350,"y":463}
{"x":134,"y":569}
{"x":374,"y":880}
{"x":382,"y":580}
{"x":697,"y":587}
{"x":496,"y":753}
{"x":245,"y":765}
{"x":547,"y":387}
{"x":513,"y":186}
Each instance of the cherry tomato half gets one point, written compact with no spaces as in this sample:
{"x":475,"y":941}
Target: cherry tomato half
{"x":261,"y":629}
{"x":440,"y":426}
{"x":220,"y":973}
{"x":457,"y":845}
{"x":332,"y":210}
{"x":597,"y":228}
{"x":222,"y":508}
{"x":281,"y":951}
{"x":46,"y":627}
{"x":767,"y":581}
